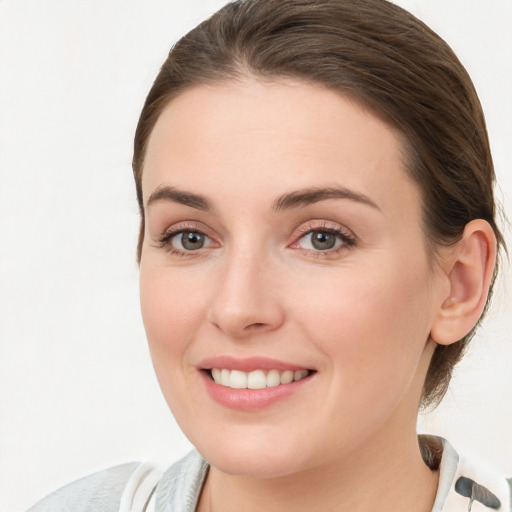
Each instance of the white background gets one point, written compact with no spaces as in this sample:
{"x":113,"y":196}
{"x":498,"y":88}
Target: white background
{"x":77,"y":391}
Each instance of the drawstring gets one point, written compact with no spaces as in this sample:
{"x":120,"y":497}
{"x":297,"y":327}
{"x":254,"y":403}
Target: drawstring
{"x":139,"y":489}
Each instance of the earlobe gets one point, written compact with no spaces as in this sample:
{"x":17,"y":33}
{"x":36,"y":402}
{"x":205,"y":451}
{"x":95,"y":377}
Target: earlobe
{"x":469,"y":269}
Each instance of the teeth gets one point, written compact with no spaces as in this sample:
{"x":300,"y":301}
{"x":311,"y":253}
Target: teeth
{"x":287,"y":377}
{"x":225,"y":377}
{"x":238,"y":379}
{"x":273,"y":379}
{"x":300,"y":374}
{"x":256,"y":379}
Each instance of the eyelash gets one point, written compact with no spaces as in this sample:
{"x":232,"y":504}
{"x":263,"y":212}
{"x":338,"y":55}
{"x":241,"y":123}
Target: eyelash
{"x":347,"y":239}
{"x":163,"y":241}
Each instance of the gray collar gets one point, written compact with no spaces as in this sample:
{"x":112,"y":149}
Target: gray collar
{"x":180,"y":486}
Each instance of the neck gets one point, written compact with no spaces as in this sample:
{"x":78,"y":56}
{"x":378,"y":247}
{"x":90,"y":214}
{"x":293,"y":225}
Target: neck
{"x":383,"y":476}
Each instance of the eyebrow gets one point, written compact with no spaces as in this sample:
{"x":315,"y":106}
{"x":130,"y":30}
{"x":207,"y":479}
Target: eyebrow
{"x":165,"y":193}
{"x":290,"y":200}
{"x":307,"y":196}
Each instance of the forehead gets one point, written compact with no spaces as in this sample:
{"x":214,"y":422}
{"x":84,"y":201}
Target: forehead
{"x":268,"y":136}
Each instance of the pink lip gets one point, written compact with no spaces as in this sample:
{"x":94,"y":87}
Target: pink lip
{"x":248,"y":364}
{"x":249,"y":399}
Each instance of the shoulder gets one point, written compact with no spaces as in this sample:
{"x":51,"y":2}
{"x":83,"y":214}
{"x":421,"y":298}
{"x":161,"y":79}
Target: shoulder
{"x":464,"y":482}
{"x":509,"y":481}
{"x":100,"y":491}
{"x":181,"y":485}
{"x":128,"y":487}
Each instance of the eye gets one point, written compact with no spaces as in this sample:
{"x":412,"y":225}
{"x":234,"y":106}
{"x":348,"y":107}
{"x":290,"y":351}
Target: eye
{"x":189,"y":241}
{"x":321,"y":240}
{"x":324,"y":239}
{"x":186,"y":238}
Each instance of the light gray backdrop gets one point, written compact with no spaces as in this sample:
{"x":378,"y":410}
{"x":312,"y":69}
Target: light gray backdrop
{"x":77,"y":389}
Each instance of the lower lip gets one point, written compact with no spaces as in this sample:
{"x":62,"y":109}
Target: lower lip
{"x":251,"y":399}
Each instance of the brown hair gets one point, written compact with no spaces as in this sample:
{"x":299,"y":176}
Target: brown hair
{"x":386,"y":59}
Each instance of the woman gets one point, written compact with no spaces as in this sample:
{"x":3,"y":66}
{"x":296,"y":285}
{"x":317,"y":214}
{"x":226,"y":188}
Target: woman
{"x":318,"y":242}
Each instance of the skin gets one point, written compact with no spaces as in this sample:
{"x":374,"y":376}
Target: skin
{"x":360,"y":316}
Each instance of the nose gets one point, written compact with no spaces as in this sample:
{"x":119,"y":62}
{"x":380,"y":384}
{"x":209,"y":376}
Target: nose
{"x":245,"y":301}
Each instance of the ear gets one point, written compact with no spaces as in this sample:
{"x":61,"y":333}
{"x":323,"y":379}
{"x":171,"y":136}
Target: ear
{"x":469,"y":269}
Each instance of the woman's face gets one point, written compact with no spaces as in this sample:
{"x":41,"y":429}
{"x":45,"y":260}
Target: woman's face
{"x":283,"y":240}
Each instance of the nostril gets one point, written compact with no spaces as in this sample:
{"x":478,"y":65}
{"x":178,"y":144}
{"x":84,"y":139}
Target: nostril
{"x":256,"y":325}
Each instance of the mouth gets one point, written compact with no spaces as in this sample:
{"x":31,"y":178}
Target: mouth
{"x":252,"y":384}
{"x":256,"y":379}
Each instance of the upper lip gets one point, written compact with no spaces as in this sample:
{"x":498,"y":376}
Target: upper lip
{"x":248,"y":364}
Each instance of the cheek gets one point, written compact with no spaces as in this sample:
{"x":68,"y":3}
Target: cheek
{"x":372,"y":324}
{"x":171,"y":311}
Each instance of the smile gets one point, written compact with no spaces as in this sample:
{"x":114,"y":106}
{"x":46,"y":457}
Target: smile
{"x":257,"y":379}
{"x":254,"y":383}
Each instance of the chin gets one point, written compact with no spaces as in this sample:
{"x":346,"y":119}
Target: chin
{"x":251,"y":456}
{"x":253,"y":464}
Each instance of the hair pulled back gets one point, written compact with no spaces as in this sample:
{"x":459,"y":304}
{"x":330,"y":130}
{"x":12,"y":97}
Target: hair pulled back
{"x":384,"y":58}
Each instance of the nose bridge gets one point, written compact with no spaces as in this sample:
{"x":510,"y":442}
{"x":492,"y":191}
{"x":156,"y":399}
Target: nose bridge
{"x":245,"y":300}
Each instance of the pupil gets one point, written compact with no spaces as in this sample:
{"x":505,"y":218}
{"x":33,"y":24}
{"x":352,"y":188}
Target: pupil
{"x":192,"y":240}
{"x":322,"y":240}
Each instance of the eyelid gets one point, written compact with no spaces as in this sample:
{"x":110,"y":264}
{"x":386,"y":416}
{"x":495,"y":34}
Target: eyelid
{"x":163,"y":239}
{"x":347,"y":237}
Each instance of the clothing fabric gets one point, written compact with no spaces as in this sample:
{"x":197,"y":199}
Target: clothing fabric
{"x":133,"y":488}
{"x":100,"y":491}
